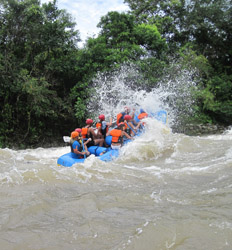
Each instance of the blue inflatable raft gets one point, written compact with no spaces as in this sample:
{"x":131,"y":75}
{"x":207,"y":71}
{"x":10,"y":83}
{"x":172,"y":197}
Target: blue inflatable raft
{"x":103,"y":153}
{"x":67,"y":160}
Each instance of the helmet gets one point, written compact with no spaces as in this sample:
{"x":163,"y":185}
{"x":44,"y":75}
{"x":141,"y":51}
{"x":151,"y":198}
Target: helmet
{"x":127,"y":109}
{"x":101,"y":117}
{"x":78,"y":130}
{"x":127,"y":117}
{"x":121,"y":124}
{"x":142,"y":111}
{"x":89,"y":121}
{"x":74,"y":134}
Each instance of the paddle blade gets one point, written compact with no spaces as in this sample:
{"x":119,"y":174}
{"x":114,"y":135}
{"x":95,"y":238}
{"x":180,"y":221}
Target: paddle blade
{"x":66,"y":138}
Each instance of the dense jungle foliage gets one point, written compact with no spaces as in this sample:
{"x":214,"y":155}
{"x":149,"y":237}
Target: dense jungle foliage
{"x":45,"y":78}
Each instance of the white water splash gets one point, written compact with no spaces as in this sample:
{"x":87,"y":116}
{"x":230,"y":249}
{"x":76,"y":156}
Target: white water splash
{"x":115,"y":91}
{"x":177,"y":90}
{"x":119,"y":89}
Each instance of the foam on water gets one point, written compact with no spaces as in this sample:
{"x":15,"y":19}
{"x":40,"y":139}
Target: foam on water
{"x":155,"y":145}
{"x":148,"y":146}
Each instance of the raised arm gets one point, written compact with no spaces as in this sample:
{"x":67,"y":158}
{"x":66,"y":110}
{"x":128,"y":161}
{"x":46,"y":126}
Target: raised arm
{"x":110,"y":123}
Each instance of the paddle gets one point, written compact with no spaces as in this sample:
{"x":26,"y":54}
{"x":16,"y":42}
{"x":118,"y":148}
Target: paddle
{"x":142,"y":126}
{"x":83,"y":146}
{"x":66,"y":138}
{"x":131,"y":128}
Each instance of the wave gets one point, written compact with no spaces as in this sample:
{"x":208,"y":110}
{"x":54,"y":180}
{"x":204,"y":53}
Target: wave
{"x":157,"y":152}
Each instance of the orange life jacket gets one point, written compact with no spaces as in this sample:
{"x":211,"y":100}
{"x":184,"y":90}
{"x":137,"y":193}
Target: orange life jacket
{"x":142,"y":115}
{"x":116,"y":134}
{"x":98,"y":125}
{"x":84,"y":132}
{"x":104,"y":132}
{"x":120,"y":117}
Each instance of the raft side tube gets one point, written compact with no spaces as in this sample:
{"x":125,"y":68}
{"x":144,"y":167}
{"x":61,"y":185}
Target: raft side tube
{"x":110,"y":155}
{"x":96,"y":150}
{"x":108,"y":140}
{"x":67,"y":160}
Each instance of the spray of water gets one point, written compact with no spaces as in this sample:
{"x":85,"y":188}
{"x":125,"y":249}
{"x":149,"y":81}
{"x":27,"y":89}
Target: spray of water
{"x":177,"y":89}
{"x":118,"y":89}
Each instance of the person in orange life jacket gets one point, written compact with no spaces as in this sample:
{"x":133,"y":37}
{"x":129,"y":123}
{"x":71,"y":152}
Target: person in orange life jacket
{"x":142,"y":115}
{"x":77,"y":146}
{"x":117,"y":136}
{"x":103,"y":126}
{"x":88,"y":132}
{"x":120,"y":116}
{"x":131,"y":128}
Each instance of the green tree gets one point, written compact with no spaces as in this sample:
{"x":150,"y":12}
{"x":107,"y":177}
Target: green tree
{"x":205,"y":26}
{"x":37,"y":64}
{"x":204,"y":23}
{"x":122,"y":40}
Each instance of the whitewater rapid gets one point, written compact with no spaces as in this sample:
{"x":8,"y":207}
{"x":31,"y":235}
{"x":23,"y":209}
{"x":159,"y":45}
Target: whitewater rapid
{"x":165,"y":191}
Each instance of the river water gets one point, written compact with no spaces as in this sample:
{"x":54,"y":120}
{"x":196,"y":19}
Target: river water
{"x":165,"y":191}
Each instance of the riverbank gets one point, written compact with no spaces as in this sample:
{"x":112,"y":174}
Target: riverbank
{"x":188,"y":129}
{"x":199,"y":129}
